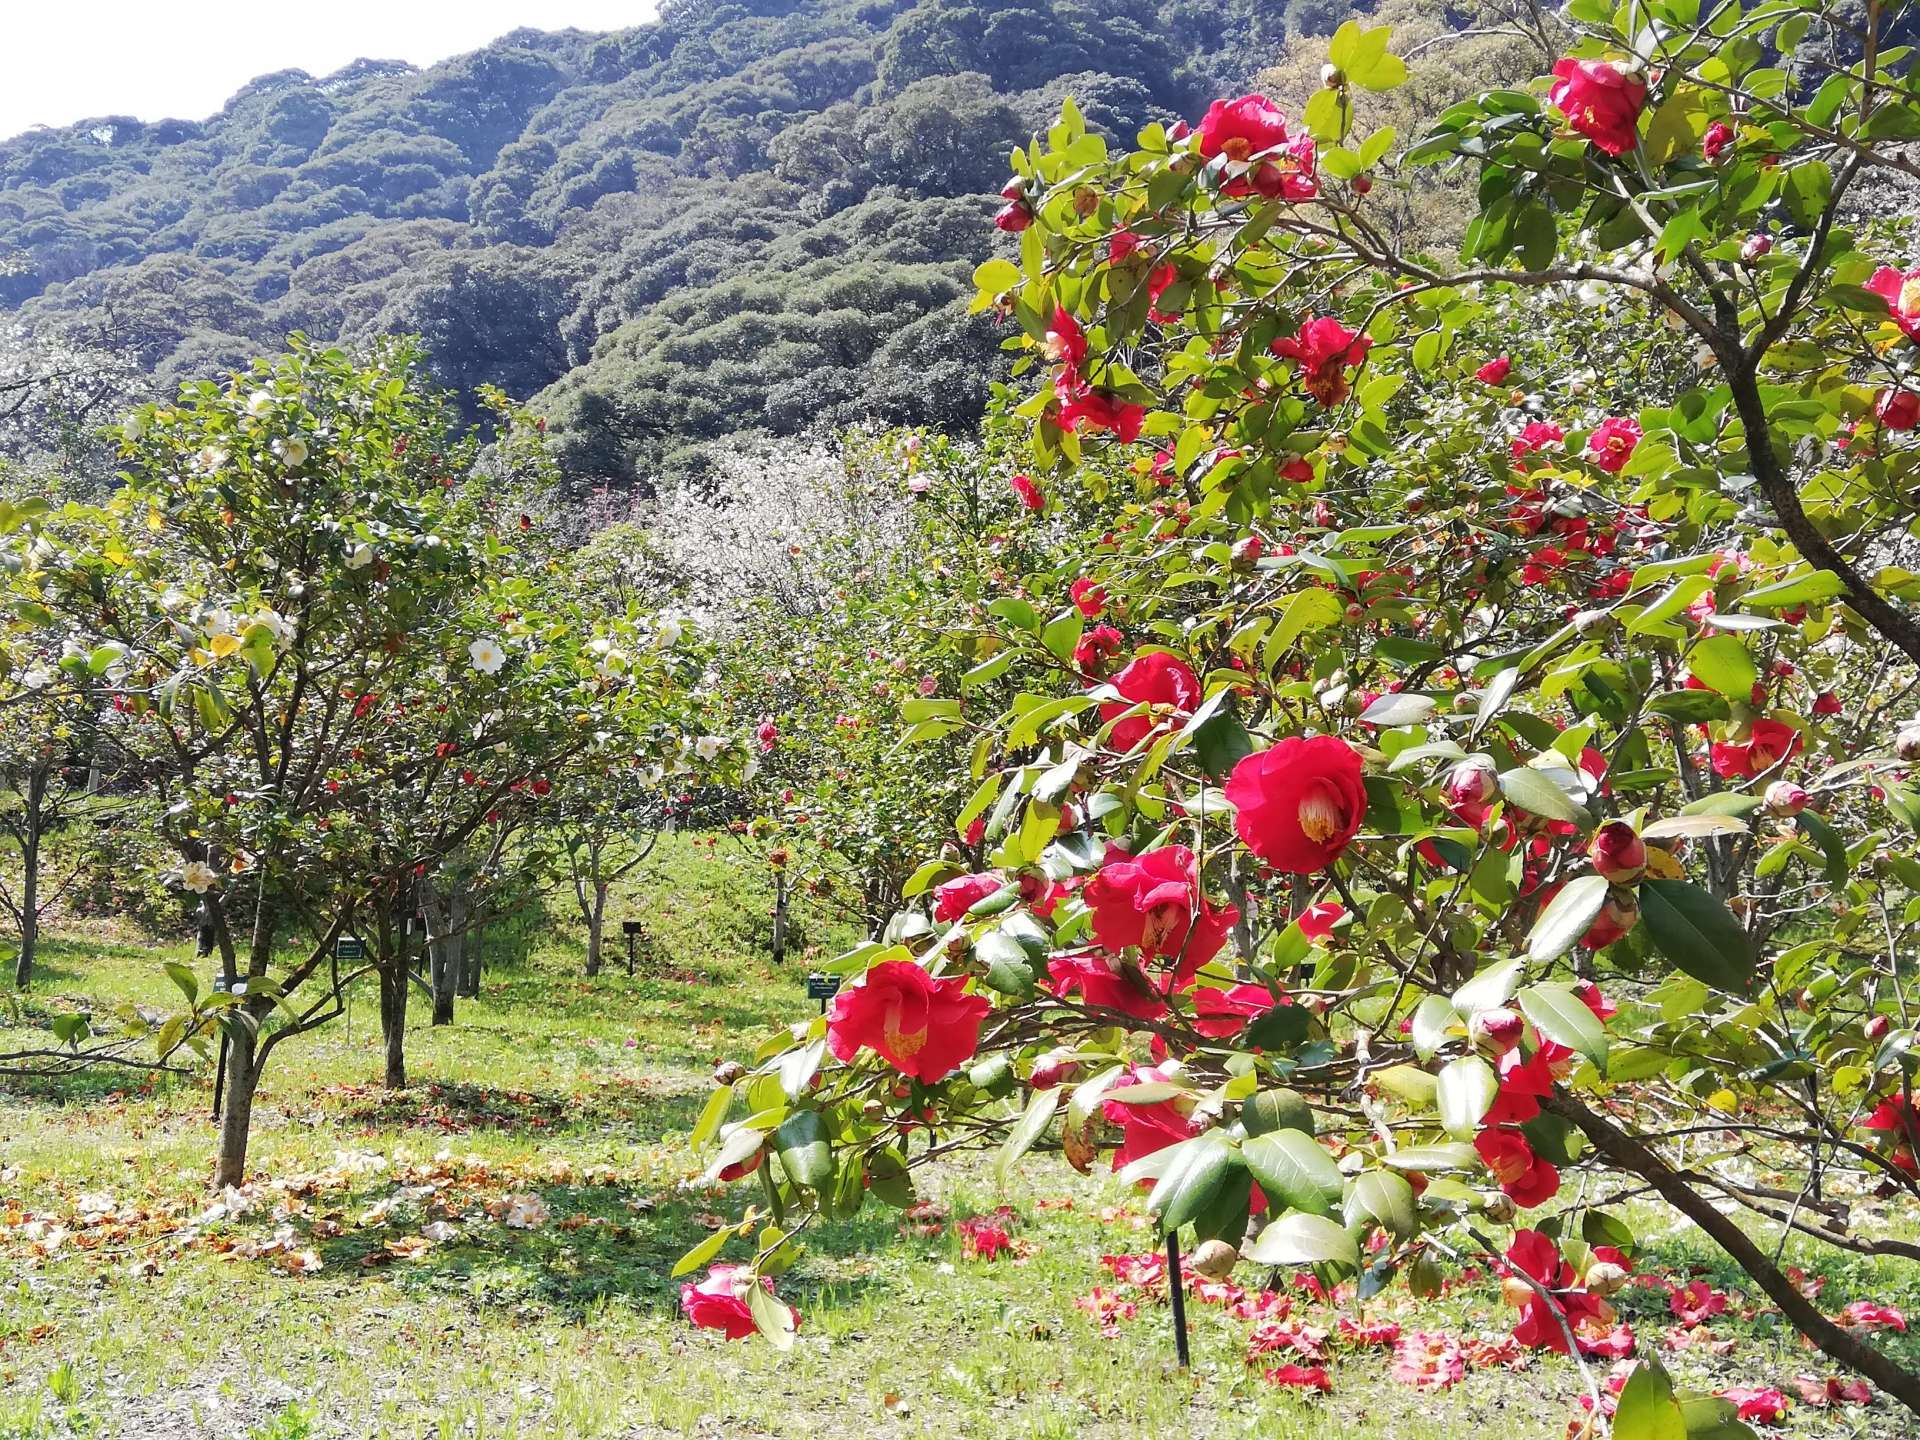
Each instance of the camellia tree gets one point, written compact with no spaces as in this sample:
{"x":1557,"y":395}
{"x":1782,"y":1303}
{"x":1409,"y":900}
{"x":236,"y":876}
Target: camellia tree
{"x":332,"y":676}
{"x":1496,"y":768}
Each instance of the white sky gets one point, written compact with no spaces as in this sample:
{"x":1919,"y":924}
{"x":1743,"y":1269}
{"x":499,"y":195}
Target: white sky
{"x":169,"y":59}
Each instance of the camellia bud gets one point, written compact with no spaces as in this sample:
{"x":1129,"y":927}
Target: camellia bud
{"x":1756,"y":246}
{"x":1616,"y":918}
{"x":1014,"y":189}
{"x":1606,"y":1278}
{"x":1473,"y":781}
{"x":1013,"y":217}
{"x":1618,"y":853}
{"x":1331,"y":77}
{"x":1500,"y":1209}
{"x":1354,"y":612}
{"x":1515,"y":1291}
{"x":1247,"y":551}
{"x":1362,"y":184}
{"x":1785,"y":798}
{"x":1907,"y":743}
{"x":1496,"y":1030}
{"x":728,"y":1071}
{"x":1213,"y":1259}
{"x":1878,"y":1026}
{"x":1086,"y":200}
{"x":1054,"y":1069}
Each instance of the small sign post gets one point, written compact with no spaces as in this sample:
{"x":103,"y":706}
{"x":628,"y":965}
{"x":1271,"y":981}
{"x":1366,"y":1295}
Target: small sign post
{"x":632,"y":930}
{"x":349,"y":947}
{"x":822,"y":988}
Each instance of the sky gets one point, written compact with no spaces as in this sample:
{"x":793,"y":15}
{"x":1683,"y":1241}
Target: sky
{"x":162,"y":59}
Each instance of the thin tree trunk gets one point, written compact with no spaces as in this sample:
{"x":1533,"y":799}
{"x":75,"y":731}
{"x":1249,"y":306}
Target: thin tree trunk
{"x":393,"y":1017}
{"x":443,"y":948}
{"x":236,"y":1119}
{"x":470,"y":964}
{"x":35,"y":819}
{"x":597,"y":926}
{"x":1624,"y":1152}
{"x":779,"y":915}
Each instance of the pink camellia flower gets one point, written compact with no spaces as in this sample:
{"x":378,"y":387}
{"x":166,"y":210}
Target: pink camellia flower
{"x":953,"y":899}
{"x":1786,"y":799}
{"x":1696,"y":1302}
{"x":982,"y":1237}
{"x":1901,"y":290}
{"x":1832,"y":1390}
{"x":1494,"y":372}
{"x":1155,"y":678}
{"x":1299,"y":1377}
{"x":1316,"y":922}
{"x":1611,"y":444}
{"x":1155,"y":903}
{"x":719,"y":1302}
{"x":1030,"y":494}
{"x":1618,"y":853}
{"x":1099,"y":981}
{"x":1866,"y":1315}
{"x":1298,"y":803}
{"x":1427,"y":1361}
{"x":768,"y":735}
{"x":1537,"y":436}
{"x":1601,"y":101}
{"x":1897,"y":409}
{"x":1066,"y":343}
{"x":1714,"y":143}
{"x":1321,"y":352}
{"x":923,"y":1027}
{"x":1089,"y":597}
{"x":1473,"y":782}
{"x":1284,"y":174}
{"x":1756,"y":1403}
{"x":1013,"y":217}
{"x":1240,"y":129}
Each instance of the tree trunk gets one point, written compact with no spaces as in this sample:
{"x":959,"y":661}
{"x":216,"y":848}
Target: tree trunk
{"x":393,"y":1011}
{"x":236,"y":1119}
{"x":443,"y":945}
{"x":1625,"y":1152}
{"x":470,"y":965}
{"x":779,"y":916}
{"x":36,"y":797}
{"x":597,"y":926}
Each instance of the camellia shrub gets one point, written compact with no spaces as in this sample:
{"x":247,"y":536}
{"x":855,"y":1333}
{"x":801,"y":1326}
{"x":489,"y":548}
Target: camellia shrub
{"x":1496,"y":774}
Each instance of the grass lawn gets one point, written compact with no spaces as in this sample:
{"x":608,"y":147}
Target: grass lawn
{"x":493,"y":1248}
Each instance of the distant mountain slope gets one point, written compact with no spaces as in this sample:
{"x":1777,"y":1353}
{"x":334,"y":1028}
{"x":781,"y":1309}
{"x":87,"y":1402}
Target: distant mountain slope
{"x":749,"y":214}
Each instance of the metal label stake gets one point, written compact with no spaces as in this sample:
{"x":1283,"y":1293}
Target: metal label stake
{"x":1179,"y":1300}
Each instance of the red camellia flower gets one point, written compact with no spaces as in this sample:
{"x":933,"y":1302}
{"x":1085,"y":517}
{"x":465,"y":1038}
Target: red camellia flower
{"x":1770,"y":742}
{"x":1030,"y":494}
{"x":921,"y":1026}
{"x":1897,"y":409}
{"x":1298,"y":803}
{"x":1712,"y":144}
{"x":1299,"y":1377}
{"x":1611,"y":444}
{"x":1494,"y":372}
{"x":719,"y":1302}
{"x":1901,"y":290}
{"x":1827,"y":703}
{"x":1240,"y":129}
{"x":1155,"y":903}
{"x":1083,"y":405}
{"x":1089,"y":597}
{"x":1147,"y":1128}
{"x":1097,"y":646}
{"x":1316,"y":922}
{"x":1013,"y":217}
{"x":956,"y":897}
{"x":1523,"y":1175}
{"x":1322,"y":351}
{"x":1065,"y":343}
{"x":1155,"y":678}
{"x":1537,"y":436}
{"x":1750,"y":1403}
{"x":1220,"y":1013}
{"x":1098,"y":982}
{"x":768,"y":735}
{"x":1618,"y":853}
{"x":1600,"y":100}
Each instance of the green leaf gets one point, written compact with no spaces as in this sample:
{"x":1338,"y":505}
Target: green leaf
{"x":1304,"y":1240}
{"x":1279,"y":1108}
{"x":1493,"y":986}
{"x":1830,"y":843}
{"x":1647,"y":1410}
{"x":1697,"y":933}
{"x":1465,"y":1094}
{"x":1191,"y":1183}
{"x":1222,"y":742}
{"x":183,"y":976}
{"x":1564,"y":1018}
{"x":1533,"y":792}
{"x":1033,"y":1124}
{"x":1295,"y":1169}
{"x":701,"y":1253}
{"x":774,"y":1320}
{"x":1567,"y":918}
{"x":805,"y":1154}
{"x":1435,"y":1158}
{"x":1722,"y":663}
{"x":1432,"y":1018}
{"x":1383,"y":1197}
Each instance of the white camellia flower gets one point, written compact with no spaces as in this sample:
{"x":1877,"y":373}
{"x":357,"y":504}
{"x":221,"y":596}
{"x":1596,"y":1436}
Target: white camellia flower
{"x":210,"y":459}
{"x":197,"y":876}
{"x":37,"y":678}
{"x":135,"y":426}
{"x":275,"y":622}
{"x":360,"y":556}
{"x":709,"y":746}
{"x":487,"y":656}
{"x":292,"y":451}
{"x":260,"y":403}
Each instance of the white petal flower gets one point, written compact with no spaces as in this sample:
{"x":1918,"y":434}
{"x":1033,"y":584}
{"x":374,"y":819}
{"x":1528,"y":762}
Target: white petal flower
{"x":37,"y":678}
{"x":709,"y":746}
{"x":487,"y":656}
{"x":360,"y":556}
{"x":198,"y":876}
{"x":292,"y":451}
{"x":260,"y":403}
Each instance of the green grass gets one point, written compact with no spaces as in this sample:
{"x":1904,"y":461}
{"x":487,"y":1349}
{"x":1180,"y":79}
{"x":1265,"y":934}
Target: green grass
{"x":581,"y":1093}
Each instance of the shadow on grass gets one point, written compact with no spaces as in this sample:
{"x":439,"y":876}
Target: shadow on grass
{"x":631,"y":1109}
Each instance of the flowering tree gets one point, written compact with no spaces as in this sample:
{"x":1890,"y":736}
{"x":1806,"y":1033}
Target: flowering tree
{"x":332,"y":676}
{"x":1495,"y":772}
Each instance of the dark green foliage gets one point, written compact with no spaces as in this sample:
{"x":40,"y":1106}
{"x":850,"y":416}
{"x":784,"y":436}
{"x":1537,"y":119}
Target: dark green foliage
{"x":757,"y":214}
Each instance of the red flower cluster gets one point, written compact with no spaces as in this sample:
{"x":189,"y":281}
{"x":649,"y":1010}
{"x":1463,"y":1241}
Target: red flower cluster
{"x":1261,"y":157}
{"x":1321,"y":352}
{"x":1155,"y":904}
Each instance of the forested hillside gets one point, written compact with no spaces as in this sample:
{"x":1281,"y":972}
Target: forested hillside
{"x":753,"y":214}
